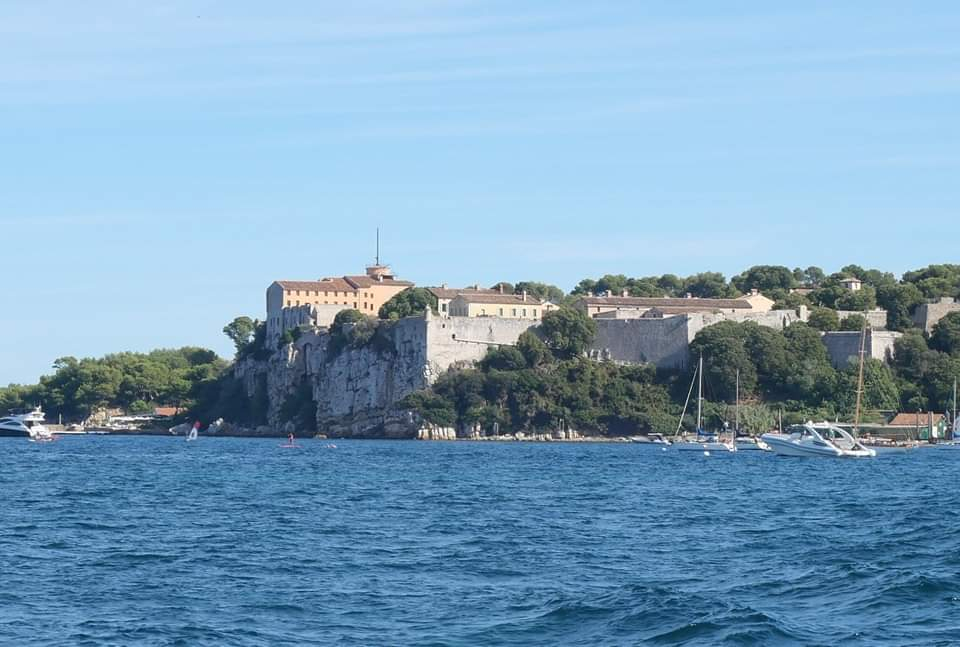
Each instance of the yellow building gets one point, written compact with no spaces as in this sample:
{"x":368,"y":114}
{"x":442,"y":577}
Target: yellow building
{"x":330,"y":295}
{"x":508,"y":306}
{"x":445,"y":295}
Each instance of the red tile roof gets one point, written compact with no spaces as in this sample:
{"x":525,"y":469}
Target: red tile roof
{"x":328,"y":285}
{"x":366,"y":282}
{"x":451,"y":293}
{"x":910,"y":419}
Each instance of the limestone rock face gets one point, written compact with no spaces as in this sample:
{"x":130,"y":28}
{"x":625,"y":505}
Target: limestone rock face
{"x":356,"y":388}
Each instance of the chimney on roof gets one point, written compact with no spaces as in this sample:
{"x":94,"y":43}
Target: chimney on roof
{"x":443,"y":285}
{"x":625,"y":292}
{"x":754,"y":291}
{"x":524,"y":296}
{"x":687,"y":296}
{"x":609,"y":293}
{"x":500,"y":287}
{"x":476,"y":286}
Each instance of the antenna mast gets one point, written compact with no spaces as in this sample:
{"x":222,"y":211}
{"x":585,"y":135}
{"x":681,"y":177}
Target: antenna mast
{"x":863,"y":349}
{"x":378,"y":247}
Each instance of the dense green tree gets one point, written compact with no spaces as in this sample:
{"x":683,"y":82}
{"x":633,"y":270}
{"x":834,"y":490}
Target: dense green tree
{"x":408,"y":303}
{"x":723,"y":347}
{"x":613,"y":283}
{"x":853,"y":322}
{"x":567,"y":332}
{"x":541,"y":291}
{"x":670,"y":284}
{"x":768,"y":352}
{"x":863,"y":299}
{"x":240,"y":331}
{"x":824,"y":319}
{"x":936,"y":281}
{"x":432,"y":407}
{"x":131,"y":381}
{"x":586,"y":287}
{"x":811,"y":276}
{"x":880,"y":392}
{"x":784,"y":300}
{"x":764,"y":278}
{"x":505,"y":358}
{"x":534,"y":351}
{"x":709,"y":285}
{"x":946,"y":335}
{"x":899,"y":300}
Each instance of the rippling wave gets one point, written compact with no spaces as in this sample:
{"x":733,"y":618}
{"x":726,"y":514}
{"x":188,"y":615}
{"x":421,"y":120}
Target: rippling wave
{"x":155,"y":541}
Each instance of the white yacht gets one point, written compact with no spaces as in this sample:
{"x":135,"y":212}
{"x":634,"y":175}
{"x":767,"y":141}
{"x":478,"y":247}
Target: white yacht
{"x":25,"y":425}
{"x":817,"y":439}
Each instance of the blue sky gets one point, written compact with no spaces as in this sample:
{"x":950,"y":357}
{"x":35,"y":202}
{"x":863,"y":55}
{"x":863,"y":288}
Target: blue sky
{"x":163,"y":162}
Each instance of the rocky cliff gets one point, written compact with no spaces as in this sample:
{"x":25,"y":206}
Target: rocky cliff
{"x":355,"y":387}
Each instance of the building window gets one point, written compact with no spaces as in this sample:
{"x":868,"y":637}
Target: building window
{"x":534,"y":312}
{"x":443,"y":307}
{"x":524,"y":312}
{"x":298,"y":301}
{"x":354,"y":305}
{"x":288,"y":303}
{"x":501,"y":312}
{"x":514,"y":312}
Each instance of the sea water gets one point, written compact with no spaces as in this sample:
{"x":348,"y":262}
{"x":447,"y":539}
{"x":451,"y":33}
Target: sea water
{"x":155,"y":541}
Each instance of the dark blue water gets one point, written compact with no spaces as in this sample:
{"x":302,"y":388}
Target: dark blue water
{"x":153,"y":541}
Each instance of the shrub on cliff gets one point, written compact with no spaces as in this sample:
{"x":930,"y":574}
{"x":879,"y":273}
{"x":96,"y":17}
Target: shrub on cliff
{"x":353,"y":329}
{"x":241,"y":332}
{"x":431,"y":407}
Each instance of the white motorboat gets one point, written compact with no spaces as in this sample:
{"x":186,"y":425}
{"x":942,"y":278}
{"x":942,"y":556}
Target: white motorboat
{"x":26,"y":425}
{"x":821,"y":439}
{"x":704,"y":442}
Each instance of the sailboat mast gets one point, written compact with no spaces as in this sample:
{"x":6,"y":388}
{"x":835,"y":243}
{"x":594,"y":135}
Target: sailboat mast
{"x":736,"y":424}
{"x":955,"y":404}
{"x":863,"y":345}
{"x":699,"y":393}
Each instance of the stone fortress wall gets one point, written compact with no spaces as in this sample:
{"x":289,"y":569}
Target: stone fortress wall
{"x":665,"y":341}
{"x":355,"y":388}
{"x":844,"y":346}
{"x":928,"y":314}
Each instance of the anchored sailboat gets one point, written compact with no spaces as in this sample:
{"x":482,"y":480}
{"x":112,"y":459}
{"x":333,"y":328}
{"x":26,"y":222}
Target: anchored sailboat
{"x":711,"y":443}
